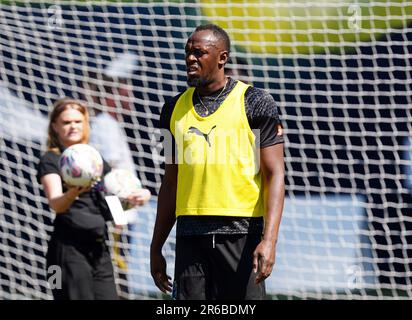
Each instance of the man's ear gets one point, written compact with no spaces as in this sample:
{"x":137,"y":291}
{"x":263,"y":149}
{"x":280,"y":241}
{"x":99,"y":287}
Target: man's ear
{"x":223,"y":58}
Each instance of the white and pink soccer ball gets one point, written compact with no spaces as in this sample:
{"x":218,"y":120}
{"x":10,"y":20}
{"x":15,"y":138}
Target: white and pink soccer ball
{"x":80,"y":165}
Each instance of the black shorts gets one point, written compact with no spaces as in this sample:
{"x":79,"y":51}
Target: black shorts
{"x":216,"y":267}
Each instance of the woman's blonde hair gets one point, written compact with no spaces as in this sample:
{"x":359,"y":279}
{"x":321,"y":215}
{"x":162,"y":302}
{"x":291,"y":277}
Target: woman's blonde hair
{"x":53,"y":142}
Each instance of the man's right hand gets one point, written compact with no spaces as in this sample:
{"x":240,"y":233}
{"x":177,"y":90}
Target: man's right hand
{"x":158,"y":271}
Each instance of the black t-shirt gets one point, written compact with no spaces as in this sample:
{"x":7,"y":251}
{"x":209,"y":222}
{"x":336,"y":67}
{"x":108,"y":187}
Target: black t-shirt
{"x":85,"y":219}
{"x":262,"y":114}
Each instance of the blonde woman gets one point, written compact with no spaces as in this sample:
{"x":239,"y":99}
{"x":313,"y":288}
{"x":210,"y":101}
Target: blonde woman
{"x":77,"y":244}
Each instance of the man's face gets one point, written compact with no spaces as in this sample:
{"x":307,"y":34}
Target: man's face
{"x":203,"y":56}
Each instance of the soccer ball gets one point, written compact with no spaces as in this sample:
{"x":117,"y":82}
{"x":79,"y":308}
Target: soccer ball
{"x":121,"y":183}
{"x":80,"y":165}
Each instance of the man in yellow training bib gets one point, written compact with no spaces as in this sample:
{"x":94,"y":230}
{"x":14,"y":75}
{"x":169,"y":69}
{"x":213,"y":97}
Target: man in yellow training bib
{"x":223,"y":185}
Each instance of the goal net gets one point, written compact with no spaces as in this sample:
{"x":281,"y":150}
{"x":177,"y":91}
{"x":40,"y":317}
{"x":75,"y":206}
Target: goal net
{"x":340,"y":72}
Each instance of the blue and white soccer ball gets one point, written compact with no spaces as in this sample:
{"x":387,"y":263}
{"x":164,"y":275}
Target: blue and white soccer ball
{"x":121,"y":183}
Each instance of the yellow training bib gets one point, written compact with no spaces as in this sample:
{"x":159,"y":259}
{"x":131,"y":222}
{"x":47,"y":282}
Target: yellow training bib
{"x":218,"y":165}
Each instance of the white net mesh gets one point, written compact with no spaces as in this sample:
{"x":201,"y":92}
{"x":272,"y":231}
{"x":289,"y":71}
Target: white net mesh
{"x":340,"y":72}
